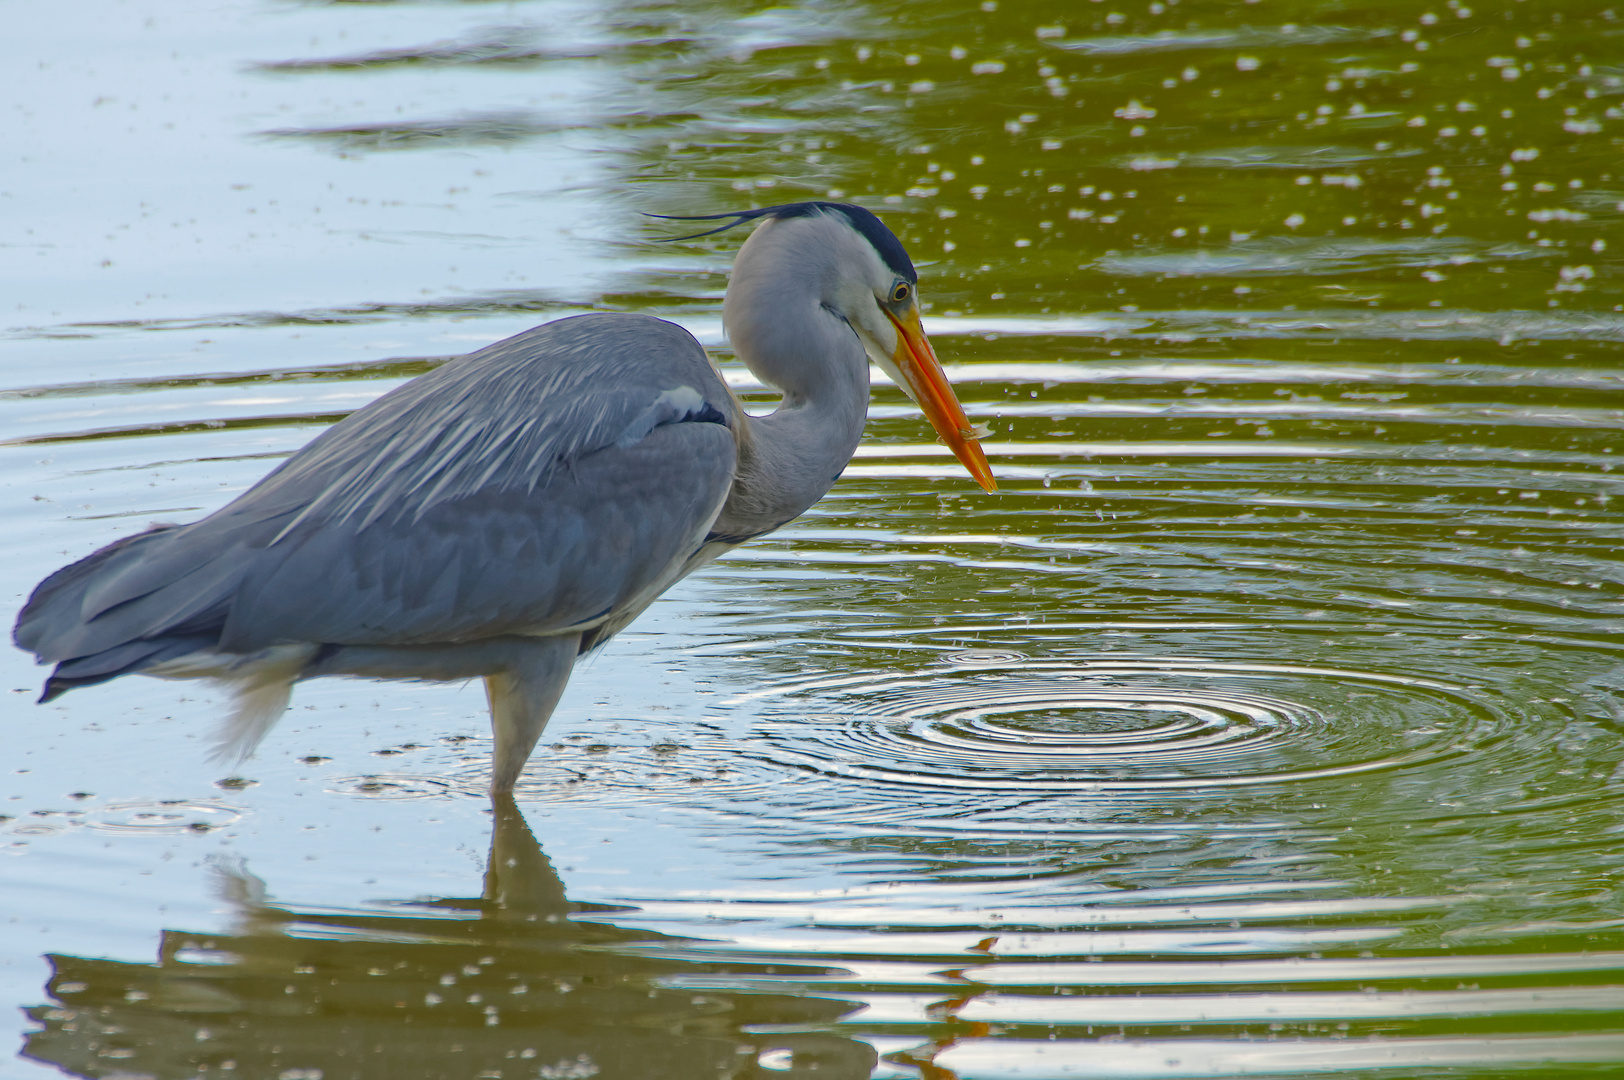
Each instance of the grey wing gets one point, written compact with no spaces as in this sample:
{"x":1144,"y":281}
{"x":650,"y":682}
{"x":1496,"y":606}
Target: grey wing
{"x":610,"y":532}
{"x":524,"y":488}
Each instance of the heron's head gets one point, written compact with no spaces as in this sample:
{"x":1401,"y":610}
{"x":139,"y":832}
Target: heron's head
{"x":843,"y":260}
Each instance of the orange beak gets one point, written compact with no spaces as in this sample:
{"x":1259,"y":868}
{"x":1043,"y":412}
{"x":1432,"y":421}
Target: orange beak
{"x":924,"y":381}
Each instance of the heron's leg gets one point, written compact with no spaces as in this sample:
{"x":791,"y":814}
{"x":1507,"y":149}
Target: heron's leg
{"x":522,"y":696}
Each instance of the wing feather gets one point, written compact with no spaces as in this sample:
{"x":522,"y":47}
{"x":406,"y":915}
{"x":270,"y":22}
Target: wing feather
{"x":610,"y":533}
{"x":520,"y":489}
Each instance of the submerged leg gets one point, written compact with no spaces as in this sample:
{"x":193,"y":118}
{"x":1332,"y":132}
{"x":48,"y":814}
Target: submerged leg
{"x":522,"y":696}
{"x":524,"y":678}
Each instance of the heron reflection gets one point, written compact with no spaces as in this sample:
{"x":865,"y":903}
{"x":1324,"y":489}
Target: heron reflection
{"x":519,"y":981}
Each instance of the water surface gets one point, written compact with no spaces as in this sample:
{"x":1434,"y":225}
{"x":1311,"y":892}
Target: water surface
{"x":1270,"y":721}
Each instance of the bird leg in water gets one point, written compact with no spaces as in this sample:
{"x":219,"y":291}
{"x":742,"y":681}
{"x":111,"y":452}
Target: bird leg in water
{"x":522,"y":697}
{"x":524,"y":678}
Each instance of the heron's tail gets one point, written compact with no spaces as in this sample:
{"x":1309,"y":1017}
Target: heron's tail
{"x":139,"y":655}
{"x":138,"y":603}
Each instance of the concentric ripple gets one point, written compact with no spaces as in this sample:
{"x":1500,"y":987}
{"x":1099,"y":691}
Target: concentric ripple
{"x":1151,"y":726}
{"x":171,"y":816}
{"x":983,"y":657}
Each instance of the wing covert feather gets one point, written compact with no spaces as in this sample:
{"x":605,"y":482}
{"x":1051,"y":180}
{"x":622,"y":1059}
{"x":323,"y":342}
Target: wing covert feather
{"x":506,"y":417}
{"x":616,"y":527}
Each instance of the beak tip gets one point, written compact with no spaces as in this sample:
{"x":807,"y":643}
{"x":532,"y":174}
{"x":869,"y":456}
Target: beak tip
{"x":975,"y":463}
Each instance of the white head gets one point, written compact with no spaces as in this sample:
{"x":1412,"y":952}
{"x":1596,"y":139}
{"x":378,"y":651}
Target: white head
{"x":811,"y":277}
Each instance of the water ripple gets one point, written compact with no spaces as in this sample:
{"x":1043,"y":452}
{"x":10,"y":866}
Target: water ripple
{"x":995,"y":1059}
{"x":1137,"y":728}
{"x":394,"y":786}
{"x":162,"y":816}
{"x":1243,"y":38}
{"x":1277,"y":255}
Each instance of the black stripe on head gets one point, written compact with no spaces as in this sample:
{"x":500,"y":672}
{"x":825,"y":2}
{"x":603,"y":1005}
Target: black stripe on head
{"x":871,"y":228}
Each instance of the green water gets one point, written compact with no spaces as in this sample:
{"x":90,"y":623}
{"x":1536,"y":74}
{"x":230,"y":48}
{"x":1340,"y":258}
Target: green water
{"x":1270,"y":720}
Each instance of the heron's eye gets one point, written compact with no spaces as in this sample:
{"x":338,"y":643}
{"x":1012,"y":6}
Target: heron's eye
{"x":899,"y":292}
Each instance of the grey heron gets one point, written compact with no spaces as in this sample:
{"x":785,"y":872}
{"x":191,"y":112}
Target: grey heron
{"x":516,"y":507}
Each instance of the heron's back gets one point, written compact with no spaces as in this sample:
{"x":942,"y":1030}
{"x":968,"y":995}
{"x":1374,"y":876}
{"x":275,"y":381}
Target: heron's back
{"x":532,"y":486}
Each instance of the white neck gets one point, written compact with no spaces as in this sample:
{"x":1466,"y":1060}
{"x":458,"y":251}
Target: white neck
{"x":782,"y":314}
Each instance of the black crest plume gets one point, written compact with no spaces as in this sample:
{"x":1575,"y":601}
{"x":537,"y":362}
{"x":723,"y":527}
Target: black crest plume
{"x":871,"y":228}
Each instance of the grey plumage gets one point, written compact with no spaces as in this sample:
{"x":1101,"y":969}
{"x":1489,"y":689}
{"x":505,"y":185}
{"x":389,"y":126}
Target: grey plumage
{"x":504,"y":512}
{"x":433,"y":538}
